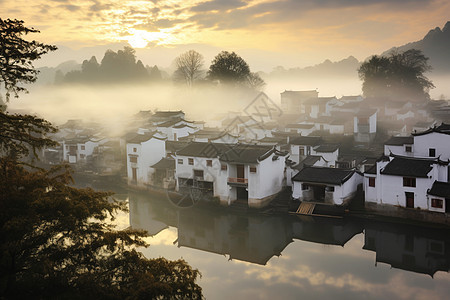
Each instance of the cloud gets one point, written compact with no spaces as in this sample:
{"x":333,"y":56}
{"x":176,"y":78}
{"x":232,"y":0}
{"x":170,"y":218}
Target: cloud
{"x":220,"y":5}
{"x":238,"y":14}
{"x":70,"y":7}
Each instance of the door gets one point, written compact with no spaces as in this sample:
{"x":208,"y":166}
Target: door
{"x":240,"y":171}
{"x":134,"y":174}
{"x":409,"y":199}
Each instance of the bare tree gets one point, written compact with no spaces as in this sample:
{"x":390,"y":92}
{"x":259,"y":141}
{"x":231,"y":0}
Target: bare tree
{"x":189,"y":67}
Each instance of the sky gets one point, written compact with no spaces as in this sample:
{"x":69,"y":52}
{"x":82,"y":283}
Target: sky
{"x":266,"y":33}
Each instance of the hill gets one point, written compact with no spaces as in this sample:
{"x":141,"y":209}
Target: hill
{"x":435,"y":45}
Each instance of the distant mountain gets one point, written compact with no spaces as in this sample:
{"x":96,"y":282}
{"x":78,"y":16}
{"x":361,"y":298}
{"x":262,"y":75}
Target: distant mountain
{"x":47,"y":74}
{"x":344,"y":68}
{"x":435,"y":45}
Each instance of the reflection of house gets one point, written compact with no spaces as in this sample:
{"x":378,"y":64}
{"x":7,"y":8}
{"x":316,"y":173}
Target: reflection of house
{"x":409,"y":248}
{"x":324,"y":230}
{"x":326,"y":185}
{"x":253,"y":239}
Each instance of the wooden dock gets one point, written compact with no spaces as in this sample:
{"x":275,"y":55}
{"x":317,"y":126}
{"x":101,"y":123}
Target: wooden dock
{"x":305,"y":208}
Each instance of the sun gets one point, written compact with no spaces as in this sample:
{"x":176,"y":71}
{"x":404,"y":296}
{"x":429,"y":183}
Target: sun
{"x":137,"y":40}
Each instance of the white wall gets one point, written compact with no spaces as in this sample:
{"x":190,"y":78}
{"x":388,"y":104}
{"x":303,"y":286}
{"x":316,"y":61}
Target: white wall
{"x":148,"y":153}
{"x":438,"y":141}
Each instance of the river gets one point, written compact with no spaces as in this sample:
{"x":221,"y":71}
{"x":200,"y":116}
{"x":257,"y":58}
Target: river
{"x":245,"y":255}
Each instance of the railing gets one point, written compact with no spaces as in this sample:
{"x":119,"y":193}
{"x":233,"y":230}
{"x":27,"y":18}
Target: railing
{"x":237,"y":180}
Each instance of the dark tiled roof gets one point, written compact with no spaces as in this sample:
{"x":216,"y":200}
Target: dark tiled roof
{"x":326,"y":148}
{"x":165,"y":163}
{"x":400,"y":140}
{"x":443,"y":128}
{"x":324,"y":175}
{"x":300,"y":126}
{"x":167,"y":114}
{"x":440,"y":189}
{"x":173,"y":146}
{"x":414,"y":167}
{"x":372,"y":170}
{"x":309,"y":161}
{"x":140,"y":138}
{"x":211,"y":150}
{"x":306,"y":140}
{"x":247,"y":153}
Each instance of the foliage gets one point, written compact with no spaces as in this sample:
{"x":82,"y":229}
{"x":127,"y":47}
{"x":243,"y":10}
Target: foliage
{"x":57,"y":241}
{"x":228,"y":67}
{"x":120,"y":66}
{"x":17,"y":56}
{"x":189,"y":67}
{"x":397,"y":76}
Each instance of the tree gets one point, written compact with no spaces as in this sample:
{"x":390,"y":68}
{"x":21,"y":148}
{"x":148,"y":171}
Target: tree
{"x":57,"y":241}
{"x":228,"y":67}
{"x":397,"y":76}
{"x":189,"y":67}
{"x":255,"y":82}
{"x":17,"y":56}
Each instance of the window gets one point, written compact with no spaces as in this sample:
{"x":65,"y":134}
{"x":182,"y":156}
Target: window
{"x":209,"y":163}
{"x":223,"y":167}
{"x":82,"y":156}
{"x":302,"y":151}
{"x":133,"y":159}
{"x":431,"y":152}
{"x":180,"y":161}
{"x":372,"y":181}
{"x":437,"y":203}
{"x":134,"y":149}
{"x":329,"y":189}
{"x":198,"y":173}
{"x":67,"y":147}
{"x":191,"y":161}
{"x":252,"y":169}
{"x":409,"y":181}
{"x":82,"y":147}
{"x":305,"y":187}
{"x":408,"y":148}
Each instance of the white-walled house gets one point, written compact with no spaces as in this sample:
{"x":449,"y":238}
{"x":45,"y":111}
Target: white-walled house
{"x":434,"y":142}
{"x":326,"y":185}
{"x":78,"y":149}
{"x":197,"y":164}
{"x":302,"y":146}
{"x":399,"y":145}
{"x":406,"y":182}
{"x":144,"y":151}
{"x":330,"y":153}
{"x":252,"y":173}
{"x":365,"y":125}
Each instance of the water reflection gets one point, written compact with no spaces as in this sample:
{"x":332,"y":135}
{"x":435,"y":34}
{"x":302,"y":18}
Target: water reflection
{"x":410,"y":248}
{"x":319,"y":258}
